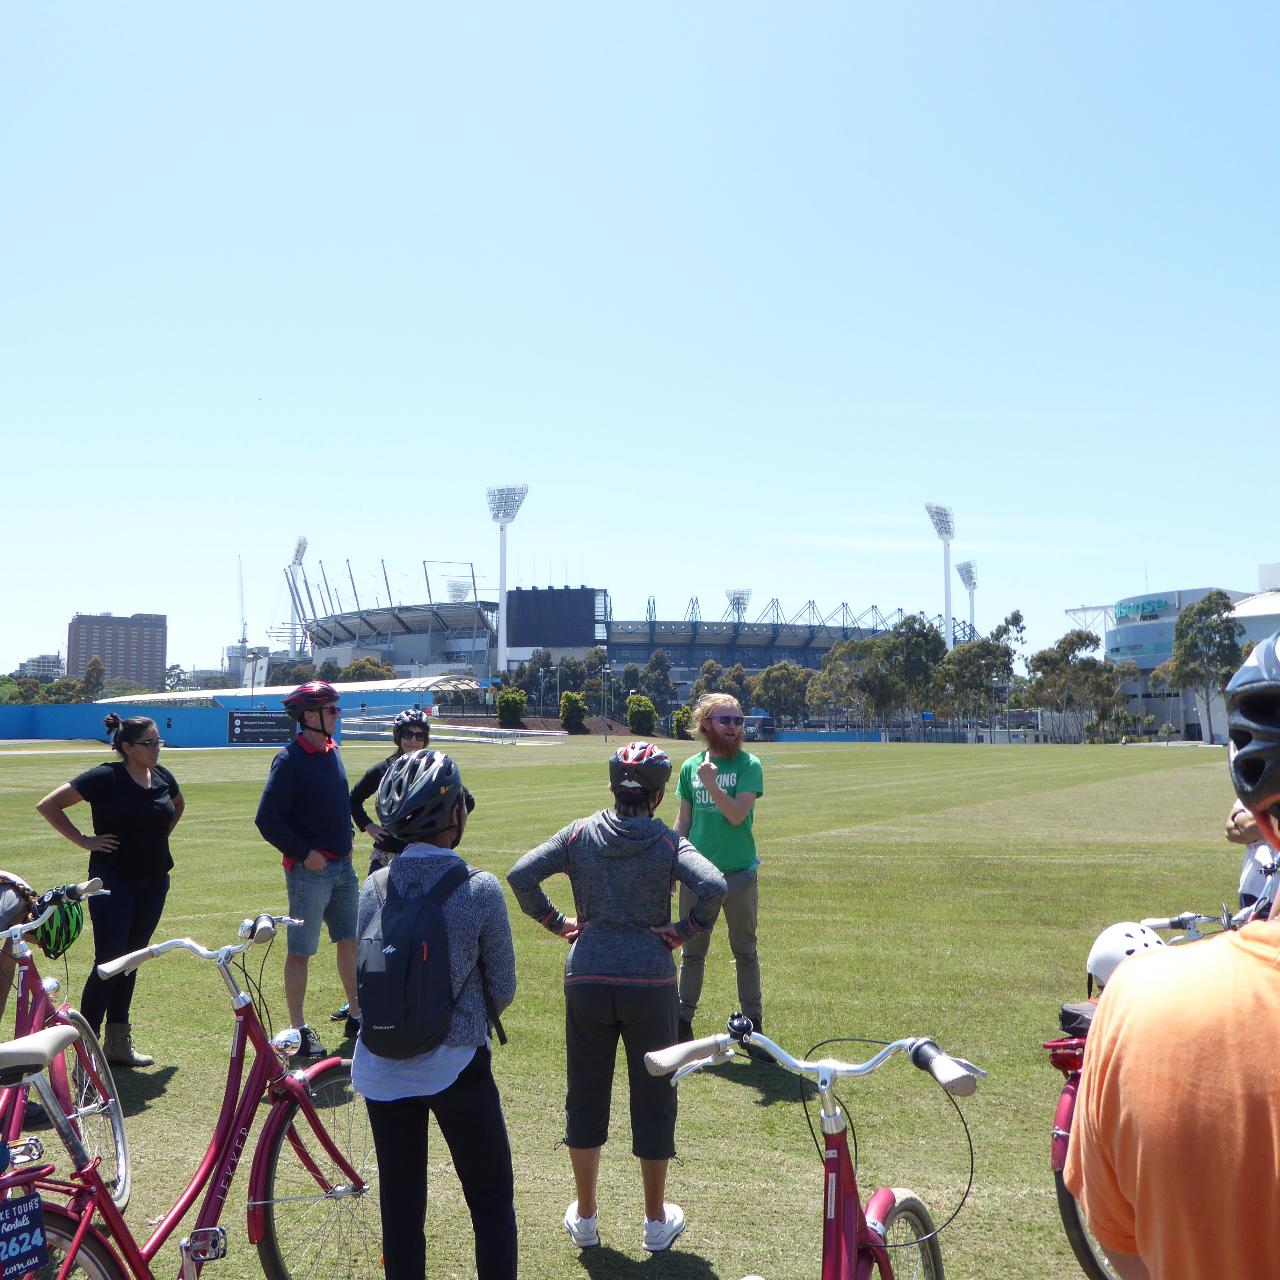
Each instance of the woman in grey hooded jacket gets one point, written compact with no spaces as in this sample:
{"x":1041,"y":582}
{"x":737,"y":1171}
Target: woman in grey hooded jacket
{"x":619,"y":979}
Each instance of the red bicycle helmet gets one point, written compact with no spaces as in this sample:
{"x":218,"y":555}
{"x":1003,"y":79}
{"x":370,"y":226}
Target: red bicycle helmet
{"x":310,"y":697}
{"x":639,"y":766}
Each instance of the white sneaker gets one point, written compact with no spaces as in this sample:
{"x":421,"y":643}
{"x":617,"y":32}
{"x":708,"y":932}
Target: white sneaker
{"x":659,"y":1236}
{"x":584,"y":1232}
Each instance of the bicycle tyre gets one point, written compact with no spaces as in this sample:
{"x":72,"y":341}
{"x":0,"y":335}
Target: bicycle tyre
{"x":96,"y":1113}
{"x":909,"y":1227}
{"x":1093,"y":1261}
{"x":308,"y":1234}
{"x":94,"y":1260}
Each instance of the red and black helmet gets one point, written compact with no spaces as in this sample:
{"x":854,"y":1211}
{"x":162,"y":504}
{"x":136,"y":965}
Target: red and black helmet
{"x":639,"y":766}
{"x":310,"y":697}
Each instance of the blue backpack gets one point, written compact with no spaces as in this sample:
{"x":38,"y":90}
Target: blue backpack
{"x":402,"y":970}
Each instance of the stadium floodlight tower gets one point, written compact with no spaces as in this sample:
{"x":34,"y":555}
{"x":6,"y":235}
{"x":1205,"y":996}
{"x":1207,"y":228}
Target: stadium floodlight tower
{"x":738,"y":598}
{"x":945,"y":524}
{"x":504,"y":502}
{"x":968,"y":571}
{"x":299,"y":550}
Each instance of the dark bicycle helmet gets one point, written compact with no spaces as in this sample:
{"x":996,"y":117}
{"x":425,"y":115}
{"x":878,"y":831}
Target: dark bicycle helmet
{"x":418,"y":719}
{"x":418,"y":794}
{"x":310,"y":697}
{"x":62,"y":928}
{"x":1253,"y":726}
{"x":639,"y":766}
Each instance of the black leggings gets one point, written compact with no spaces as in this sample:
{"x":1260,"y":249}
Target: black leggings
{"x":469,"y":1113}
{"x":597,"y":1016}
{"x":123,"y":921}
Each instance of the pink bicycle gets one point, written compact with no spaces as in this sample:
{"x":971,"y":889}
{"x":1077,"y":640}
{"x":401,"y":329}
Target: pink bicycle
{"x":83,"y":1088}
{"x":894,"y":1232}
{"x":312,"y":1208}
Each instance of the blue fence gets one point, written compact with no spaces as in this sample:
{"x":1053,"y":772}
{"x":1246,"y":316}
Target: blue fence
{"x":237,"y":720}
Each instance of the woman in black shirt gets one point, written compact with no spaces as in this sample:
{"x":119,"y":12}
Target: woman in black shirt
{"x":411,"y":731}
{"x":135,"y":804}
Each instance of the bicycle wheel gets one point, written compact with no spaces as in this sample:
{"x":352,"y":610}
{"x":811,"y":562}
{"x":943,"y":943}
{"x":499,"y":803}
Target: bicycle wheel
{"x":94,"y":1261}
{"x":314,"y":1228}
{"x":1093,"y":1262}
{"x":908,"y":1225}
{"x":93,"y":1107}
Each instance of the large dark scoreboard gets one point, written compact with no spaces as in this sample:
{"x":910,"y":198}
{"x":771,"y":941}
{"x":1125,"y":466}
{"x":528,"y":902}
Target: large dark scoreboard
{"x":551,"y":617}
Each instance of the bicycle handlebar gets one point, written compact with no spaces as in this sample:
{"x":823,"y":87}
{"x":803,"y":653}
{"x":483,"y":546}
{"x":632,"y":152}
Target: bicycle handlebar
{"x":87,"y":889}
{"x":260,"y":929}
{"x":957,"y":1076}
{"x":713,"y":1048}
{"x":1183,"y":921}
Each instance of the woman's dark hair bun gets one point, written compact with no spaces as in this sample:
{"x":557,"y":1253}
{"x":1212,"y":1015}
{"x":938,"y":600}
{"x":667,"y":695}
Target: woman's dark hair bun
{"x":112,"y":722}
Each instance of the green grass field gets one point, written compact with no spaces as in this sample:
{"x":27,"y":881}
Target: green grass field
{"x":951,"y":891}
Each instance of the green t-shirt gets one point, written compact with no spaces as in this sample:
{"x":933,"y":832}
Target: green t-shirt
{"x":730,"y":848}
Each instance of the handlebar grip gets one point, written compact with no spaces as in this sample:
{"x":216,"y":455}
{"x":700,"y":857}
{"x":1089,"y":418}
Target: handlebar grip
{"x":1161,"y":922}
{"x":661,"y":1062}
{"x":949,"y":1073}
{"x":264,"y":929}
{"x":85,"y":890}
{"x":124,"y":964}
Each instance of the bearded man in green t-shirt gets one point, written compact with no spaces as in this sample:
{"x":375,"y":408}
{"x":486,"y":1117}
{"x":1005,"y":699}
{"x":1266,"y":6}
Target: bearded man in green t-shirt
{"x":718,"y":789}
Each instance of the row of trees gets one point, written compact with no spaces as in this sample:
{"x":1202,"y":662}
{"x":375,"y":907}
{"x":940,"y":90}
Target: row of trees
{"x":89,"y":688}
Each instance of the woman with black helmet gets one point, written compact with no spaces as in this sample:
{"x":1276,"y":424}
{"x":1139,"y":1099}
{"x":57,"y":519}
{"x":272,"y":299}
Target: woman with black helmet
{"x":410,"y":731}
{"x":422,"y":802}
{"x":619,"y":979}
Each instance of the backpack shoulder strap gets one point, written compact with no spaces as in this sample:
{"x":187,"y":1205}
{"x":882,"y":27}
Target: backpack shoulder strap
{"x":444,"y":887}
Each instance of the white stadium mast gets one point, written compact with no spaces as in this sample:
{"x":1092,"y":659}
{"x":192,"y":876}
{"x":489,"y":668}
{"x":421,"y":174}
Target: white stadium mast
{"x":944,"y":522}
{"x":504,"y":502}
{"x":299,"y":550}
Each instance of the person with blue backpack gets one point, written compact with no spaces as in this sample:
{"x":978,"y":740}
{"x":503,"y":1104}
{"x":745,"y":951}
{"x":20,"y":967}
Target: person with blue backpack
{"x":435,"y":968}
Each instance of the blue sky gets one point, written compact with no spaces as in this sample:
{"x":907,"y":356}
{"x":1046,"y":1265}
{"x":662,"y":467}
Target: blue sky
{"x":734,"y":288}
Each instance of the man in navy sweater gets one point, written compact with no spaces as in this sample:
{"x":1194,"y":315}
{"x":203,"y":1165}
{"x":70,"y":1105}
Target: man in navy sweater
{"x":305,"y":811}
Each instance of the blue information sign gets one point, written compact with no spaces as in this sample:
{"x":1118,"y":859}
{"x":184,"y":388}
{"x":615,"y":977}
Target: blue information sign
{"x":22,"y":1242}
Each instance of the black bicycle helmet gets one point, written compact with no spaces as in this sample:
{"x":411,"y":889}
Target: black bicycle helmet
{"x":418,"y":794}
{"x":310,"y":697}
{"x":418,"y":719}
{"x":1253,"y":726}
{"x":639,"y":766}
{"x":62,"y":928}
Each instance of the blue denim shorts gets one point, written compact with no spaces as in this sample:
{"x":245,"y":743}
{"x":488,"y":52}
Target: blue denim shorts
{"x":330,"y":894}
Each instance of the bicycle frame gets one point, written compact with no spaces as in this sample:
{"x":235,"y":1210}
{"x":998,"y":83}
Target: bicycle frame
{"x":851,"y":1244}
{"x":1067,"y":1055}
{"x":33,"y":1009}
{"x":85,"y":1194}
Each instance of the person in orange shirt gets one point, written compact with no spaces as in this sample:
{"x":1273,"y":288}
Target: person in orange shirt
{"x":1176,"y":1129}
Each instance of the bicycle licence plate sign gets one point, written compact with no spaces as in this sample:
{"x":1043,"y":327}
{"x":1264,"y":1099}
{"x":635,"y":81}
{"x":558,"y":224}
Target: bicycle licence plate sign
{"x":22,"y":1242}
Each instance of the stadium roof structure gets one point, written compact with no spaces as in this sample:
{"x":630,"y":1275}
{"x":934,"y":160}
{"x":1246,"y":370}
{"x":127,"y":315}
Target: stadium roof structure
{"x":810,"y":628}
{"x":351,"y":688}
{"x":364,"y":626}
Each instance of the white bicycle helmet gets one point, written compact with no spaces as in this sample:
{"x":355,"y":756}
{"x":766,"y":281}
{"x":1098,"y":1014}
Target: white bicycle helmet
{"x":1113,"y":944}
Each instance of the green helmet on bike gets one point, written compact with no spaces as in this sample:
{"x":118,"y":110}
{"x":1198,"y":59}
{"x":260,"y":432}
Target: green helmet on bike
{"x":63,"y":927}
